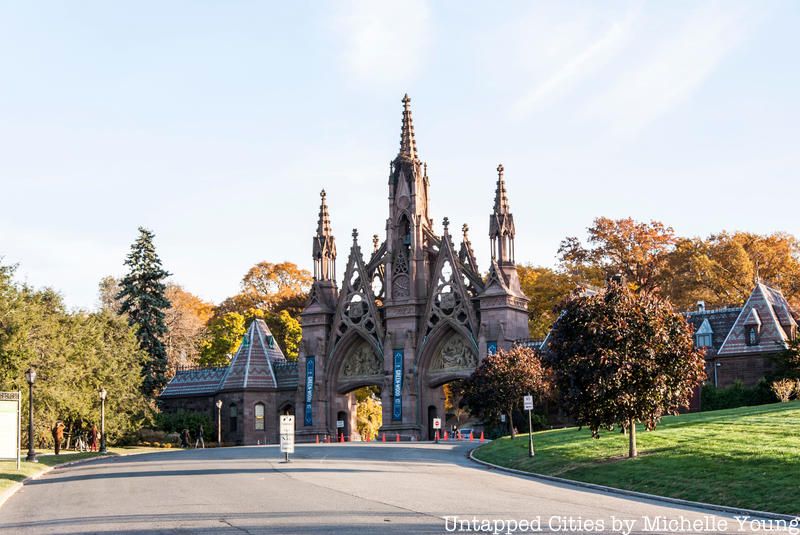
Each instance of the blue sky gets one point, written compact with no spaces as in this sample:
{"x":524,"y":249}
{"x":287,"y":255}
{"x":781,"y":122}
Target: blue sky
{"x":216,"y":124}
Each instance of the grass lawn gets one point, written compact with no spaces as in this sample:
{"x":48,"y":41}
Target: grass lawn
{"x":747,"y":457}
{"x":9,"y":473}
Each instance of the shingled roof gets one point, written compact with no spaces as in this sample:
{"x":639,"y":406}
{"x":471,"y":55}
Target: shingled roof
{"x":194,"y":382}
{"x":251,"y":367}
{"x":768,"y":309}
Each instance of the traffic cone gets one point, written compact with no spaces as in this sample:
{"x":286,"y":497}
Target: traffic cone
{"x":470,"y":436}
{"x":481,"y":436}
{"x":341,"y":437}
{"x":446,"y":436}
{"x":383,"y":437}
{"x":317,"y":440}
{"x":397,"y":437}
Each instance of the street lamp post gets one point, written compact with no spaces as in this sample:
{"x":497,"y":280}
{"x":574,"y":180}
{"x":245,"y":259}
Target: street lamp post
{"x":103,"y":395}
{"x":219,"y":422}
{"x":30,"y":376}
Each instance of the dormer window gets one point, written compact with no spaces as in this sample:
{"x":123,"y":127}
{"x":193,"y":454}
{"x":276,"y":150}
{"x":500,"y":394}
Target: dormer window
{"x":704,"y":335}
{"x":752,"y":328}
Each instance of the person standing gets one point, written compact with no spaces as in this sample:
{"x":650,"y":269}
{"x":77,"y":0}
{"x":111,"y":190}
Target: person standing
{"x":58,"y":436}
{"x":185,"y":438}
{"x":199,"y":436}
{"x":94,"y":434}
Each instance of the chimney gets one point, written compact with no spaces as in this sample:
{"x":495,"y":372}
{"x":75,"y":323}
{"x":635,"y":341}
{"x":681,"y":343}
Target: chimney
{"x":701,"y":306}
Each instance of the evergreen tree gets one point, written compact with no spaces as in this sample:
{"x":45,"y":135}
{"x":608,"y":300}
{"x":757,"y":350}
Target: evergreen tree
{"x":142,"y":297}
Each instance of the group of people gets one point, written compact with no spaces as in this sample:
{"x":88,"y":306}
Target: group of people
{"x":186,"y":438}
{"x":58,"y":437}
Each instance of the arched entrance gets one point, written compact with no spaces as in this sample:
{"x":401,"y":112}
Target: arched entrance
{"x":449,"y":356}
{"x":357,"y":373}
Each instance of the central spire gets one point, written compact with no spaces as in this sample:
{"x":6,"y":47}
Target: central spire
{"x":408,"y":145}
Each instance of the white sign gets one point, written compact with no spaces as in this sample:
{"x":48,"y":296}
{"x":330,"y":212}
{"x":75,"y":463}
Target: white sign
{"x":287,"y":433}
{"x":437,"y":423}
{"x":503,"y":418}
{"x":339,"y":424}
{"x":528,"y":400}
{"x":10,"y":426}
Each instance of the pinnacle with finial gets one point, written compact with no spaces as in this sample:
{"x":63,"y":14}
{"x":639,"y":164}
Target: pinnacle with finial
{"x":501,"y":197}
{"x":324,"y":223}
{"x":375,"y":242}
{"x":465,"y":230}
{"x":355,"y":235}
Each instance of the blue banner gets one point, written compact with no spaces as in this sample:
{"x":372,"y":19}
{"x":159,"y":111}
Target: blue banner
{"x":397,"y":391}
{"x":308,"y":420}
{"x":491,"y":347}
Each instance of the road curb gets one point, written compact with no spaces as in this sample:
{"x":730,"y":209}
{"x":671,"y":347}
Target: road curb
{"x":633,"y":493}
{"x":10,"y":491}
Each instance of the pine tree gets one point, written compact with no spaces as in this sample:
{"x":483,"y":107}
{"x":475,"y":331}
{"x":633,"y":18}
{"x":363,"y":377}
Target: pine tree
{"x":142,"y":298}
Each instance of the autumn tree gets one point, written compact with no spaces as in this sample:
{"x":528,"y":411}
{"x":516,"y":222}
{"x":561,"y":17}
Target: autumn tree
{"x":369,"y":412}
{"x":275,"y":293}
{"x":720,"y":269}
{"x":636,"y":250}
{"x":623,"y":357}
{"x":107,"y":291}
{"x":225,"y":333}
{"x":142,"y":298}
{"x":271,"y":288}
{"x":547,"y":289}
{"x":499,"y":383}
{"x":186,"y":323}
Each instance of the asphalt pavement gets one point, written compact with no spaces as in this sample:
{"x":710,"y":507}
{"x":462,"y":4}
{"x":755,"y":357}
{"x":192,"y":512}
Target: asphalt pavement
{"x":375,"y":488}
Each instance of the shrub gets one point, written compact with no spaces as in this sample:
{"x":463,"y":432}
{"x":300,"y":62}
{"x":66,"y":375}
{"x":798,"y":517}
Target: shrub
{"x":736,"y":395}
{"x":783,"y":388}
{"x":166,"y":445}
{"x":156,"y":444}
{"x":175,"y":422}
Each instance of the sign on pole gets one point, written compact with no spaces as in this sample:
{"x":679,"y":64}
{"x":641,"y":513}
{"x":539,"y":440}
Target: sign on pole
{"x":437,"y":423}
{"x":10,"y":426}
{"x":528,"y":401}
{"x":339,"y":424}
{"x":287,"y":435}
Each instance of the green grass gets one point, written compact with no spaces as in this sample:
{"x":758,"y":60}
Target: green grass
{"x":9,"y":473}
{"x":747,"y":457}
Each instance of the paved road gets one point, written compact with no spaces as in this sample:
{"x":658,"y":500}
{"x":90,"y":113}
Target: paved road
{"x":361,"y":489}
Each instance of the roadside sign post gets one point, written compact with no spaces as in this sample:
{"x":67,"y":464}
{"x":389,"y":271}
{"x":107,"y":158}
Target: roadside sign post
{"x":528,"y":402}
{"x":340,"y":430}
{"x":287,"y":435}
{"x":437,"y":425}
{"x":10,"y":426}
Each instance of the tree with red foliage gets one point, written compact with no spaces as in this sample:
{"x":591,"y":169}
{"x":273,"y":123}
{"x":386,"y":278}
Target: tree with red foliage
{"x":499,"y":383}
{"x":623,"y":356}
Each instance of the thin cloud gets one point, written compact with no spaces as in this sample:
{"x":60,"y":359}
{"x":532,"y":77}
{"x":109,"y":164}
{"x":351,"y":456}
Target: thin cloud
{"x":588,"y":60}
{"x":383,"y":42}
{"x":676,"y":67}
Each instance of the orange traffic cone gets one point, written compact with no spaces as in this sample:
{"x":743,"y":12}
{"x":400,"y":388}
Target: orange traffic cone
{"x":470,"y":436}
{"x":397,"y":437}
{"x":446,"y":436}
{"x":341,"y":437}
{"x":481,"y":436}
{"x":317,"y":440}
{"x":383,"y":437}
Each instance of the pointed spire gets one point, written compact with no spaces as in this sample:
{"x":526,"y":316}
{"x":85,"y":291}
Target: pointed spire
{"x":355,"y":236}
{"x":501,"y":197}
{"x":324,"y":223}
{"x":375,"y":240}
{"x":408,"y":145}
{"x":446,"y":225}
